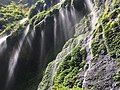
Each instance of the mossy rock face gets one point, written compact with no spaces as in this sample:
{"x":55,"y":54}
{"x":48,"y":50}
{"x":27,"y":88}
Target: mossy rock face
{"x":72,"y":57}
{"x":112,"y":32}
{"x":47,"y":18}
{"x":65,"y":72}
{"x":107,"y":33}
{"x":65,"y":68}
{"x":105,"y":50}
{"x":98,"y":44}
{"x":69,"y":68}
{"x":9,"y":16}
{"x":30,"y":72}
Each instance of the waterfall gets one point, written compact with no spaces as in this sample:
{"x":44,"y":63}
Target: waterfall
{"x":68,"y":24}
{"x":62,"y":23}
{"x":55,"y":32}
{"x":93,"y":12}
{"x":3,"y":39}
{"x":67,"y":20}
{"x":42,"y":44}
{"x":88,"y":40}
{"x":3,"y":44}
{"x":73,"y":14}
{"x":14,"y":57}
{"x":30,"y":38}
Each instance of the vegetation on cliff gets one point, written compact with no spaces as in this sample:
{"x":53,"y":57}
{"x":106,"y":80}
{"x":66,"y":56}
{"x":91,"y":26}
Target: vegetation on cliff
{"x":105,"y":42}
{"x":10,"y":15}
{"x":106,"y":35}
{"x":70,"y":68}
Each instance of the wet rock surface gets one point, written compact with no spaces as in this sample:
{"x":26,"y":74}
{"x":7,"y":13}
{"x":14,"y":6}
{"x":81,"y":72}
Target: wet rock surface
{"x":86,"y":33}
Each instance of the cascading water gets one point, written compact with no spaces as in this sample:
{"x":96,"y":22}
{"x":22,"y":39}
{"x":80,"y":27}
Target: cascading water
{"x":73,"y":14}
{"x":55,"y":32}
{"x":14,"y":57}
{"x":3,"y":39}
{"x":42,"y":44}
{"x":63,"y":30}
{"x":87,"y":41}
{"x":3,"y":44}
{"x":65,"y":21}
{"x":93,"y":12}
{"x":29,"y":39}
{"x":64,"y":25}
{"x":68,"y":24}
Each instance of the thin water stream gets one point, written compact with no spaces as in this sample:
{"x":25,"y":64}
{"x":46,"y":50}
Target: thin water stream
{"x":42,"y":44}
{"x":14,"y":57}
{"x":88,"y":40}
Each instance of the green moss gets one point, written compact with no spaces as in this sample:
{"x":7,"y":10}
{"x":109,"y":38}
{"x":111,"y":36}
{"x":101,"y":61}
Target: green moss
{"x":107,"y":33}
{"x":106,"y":40}
{"x":10,"y":15}
{"x":117,"y":77}
{"x":98,"y":44}
{"x":36,"y":17}
{"x":61,"y":87}
{"x":69,"y":68}
{"x":48,"y":76}
{"x":115,"y":3}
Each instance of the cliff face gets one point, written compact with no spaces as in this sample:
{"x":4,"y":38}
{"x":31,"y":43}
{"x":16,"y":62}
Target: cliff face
{"x":35,"y":41}
{"x":76,"y":43}
{"x":101,"y":74}
{"x":90,"y":60}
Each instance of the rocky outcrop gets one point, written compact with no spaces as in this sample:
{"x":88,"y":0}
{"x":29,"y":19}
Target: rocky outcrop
{"x":101,"y":68}
{"x":40,"y":45}
{"x":85,"y":31}
{"x":104,"y":64}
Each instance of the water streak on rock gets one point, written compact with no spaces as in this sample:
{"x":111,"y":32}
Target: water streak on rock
{"x":42,"y":44}
{"x":55,"y":32}
{"x":88,"y":40}
{"x":14,"y":57}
